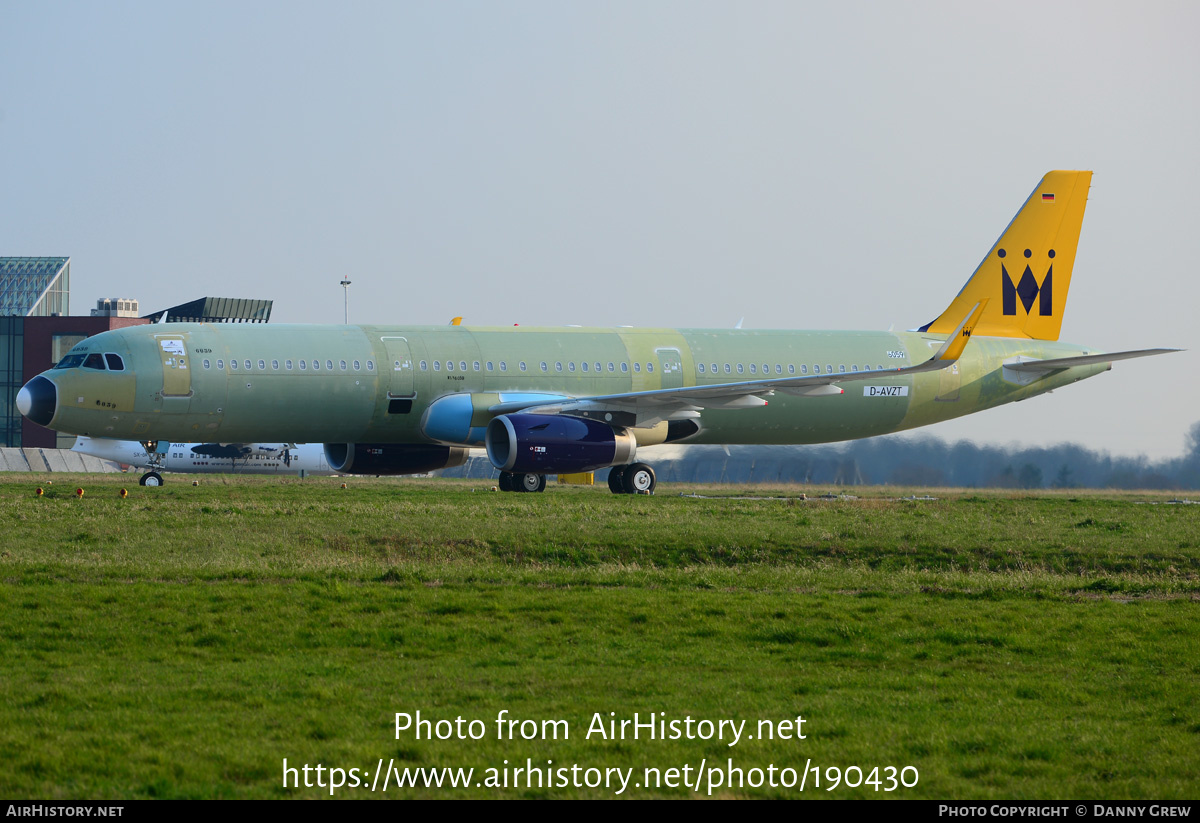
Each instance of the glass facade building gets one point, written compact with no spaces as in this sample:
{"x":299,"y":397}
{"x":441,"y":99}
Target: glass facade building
{"x":35,"y":286}
{"x":12,"y":351}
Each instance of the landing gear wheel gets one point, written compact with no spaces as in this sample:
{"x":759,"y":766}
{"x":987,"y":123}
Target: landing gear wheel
{"x":506,"y":484}
{"x":150,"y":479}
{"x":615,"y":485}
{"x":529,"y":482}
{"x":639,"y":478}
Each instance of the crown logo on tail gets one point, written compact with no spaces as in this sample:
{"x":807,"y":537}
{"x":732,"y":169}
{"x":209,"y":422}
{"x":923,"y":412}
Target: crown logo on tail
{"x":1027,"y":288}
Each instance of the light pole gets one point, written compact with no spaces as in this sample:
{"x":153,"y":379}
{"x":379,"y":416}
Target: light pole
{"x":346,"y":291}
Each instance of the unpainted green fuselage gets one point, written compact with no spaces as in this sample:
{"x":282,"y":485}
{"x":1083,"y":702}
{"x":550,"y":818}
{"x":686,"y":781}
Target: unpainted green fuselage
{"x":303,"y":383}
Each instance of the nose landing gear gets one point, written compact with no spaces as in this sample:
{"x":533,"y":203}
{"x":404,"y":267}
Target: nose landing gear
{"x":156,"y":453}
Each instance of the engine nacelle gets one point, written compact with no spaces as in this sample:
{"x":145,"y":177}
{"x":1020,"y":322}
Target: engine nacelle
{"x":556,"y":444}
{"x":392,"y":458}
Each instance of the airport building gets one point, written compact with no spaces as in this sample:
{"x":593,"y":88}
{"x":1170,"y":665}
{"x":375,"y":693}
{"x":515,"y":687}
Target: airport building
{"x":37,"y":329}
{"x":115,"y":307}
{"x":30,"y":287}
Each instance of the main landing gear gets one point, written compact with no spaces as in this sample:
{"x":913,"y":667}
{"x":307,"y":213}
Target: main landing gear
{"x":636,"y":478}
{"x":522,"y":482}
{"x":150,"y":479}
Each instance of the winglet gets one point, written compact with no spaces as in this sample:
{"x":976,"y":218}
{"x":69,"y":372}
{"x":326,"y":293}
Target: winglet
{"x":952,"y":349}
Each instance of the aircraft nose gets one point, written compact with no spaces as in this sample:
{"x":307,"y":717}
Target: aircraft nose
{"x":38,"y":400}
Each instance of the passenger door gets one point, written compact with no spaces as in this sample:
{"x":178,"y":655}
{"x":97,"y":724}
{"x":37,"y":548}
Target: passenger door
{"x":670,"y":365}
{"x":399,"y":369}
{"x":177,"y":374}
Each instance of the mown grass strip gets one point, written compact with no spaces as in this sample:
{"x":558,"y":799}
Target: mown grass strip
{"x":182,"y":642}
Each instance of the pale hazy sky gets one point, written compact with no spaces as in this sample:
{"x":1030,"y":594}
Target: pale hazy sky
{"x":801,"y":165}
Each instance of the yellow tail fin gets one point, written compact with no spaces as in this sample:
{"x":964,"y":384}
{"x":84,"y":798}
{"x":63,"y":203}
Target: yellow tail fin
{"x":1024,"y":278}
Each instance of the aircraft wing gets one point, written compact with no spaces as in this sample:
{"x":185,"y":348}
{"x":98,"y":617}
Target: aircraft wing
{"x":647,"y":408}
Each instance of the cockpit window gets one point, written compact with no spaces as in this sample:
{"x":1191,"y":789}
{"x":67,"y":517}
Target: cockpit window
{"x":94,"y":361}
{"x":71,"y":361}
{"x":114,"y":362}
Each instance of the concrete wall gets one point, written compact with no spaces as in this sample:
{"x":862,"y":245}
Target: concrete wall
{"x":52,"y":460}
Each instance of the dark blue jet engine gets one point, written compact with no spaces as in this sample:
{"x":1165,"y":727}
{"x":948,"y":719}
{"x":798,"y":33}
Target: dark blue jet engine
{"x":392,"y":458}
{"x":556,"y":444}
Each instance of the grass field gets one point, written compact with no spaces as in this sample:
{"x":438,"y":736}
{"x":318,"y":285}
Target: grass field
{"x":185,"y":640}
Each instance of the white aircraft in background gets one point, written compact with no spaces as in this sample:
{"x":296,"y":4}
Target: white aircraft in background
{"x":208,"y":458}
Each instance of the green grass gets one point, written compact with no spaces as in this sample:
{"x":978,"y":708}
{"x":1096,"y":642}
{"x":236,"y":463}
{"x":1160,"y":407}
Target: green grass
{"x":183,"y":641}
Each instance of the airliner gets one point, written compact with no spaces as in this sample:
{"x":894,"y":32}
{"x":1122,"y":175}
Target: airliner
{"x":207,"y":458}
{"x":542,"y":401}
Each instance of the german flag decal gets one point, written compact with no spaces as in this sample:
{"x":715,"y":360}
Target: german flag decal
{"x":1047,"y":198}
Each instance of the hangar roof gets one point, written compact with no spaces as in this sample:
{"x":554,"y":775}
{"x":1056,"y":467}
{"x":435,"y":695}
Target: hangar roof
{"x":217,"y":310}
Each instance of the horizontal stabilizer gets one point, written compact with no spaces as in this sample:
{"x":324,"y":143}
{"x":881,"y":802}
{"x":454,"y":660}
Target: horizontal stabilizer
{"x":1026,"y":365}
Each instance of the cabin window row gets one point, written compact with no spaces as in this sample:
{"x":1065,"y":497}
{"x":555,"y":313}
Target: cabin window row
{"x":291,"y":365}
{"x":596,"y":367}
{"x":590,"y":367}
{"x":778,"y":368}
{"x":476,"y":365}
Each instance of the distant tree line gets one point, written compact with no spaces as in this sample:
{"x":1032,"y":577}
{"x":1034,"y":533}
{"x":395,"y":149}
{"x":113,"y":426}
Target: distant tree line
{"x":918,"y":461}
